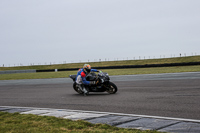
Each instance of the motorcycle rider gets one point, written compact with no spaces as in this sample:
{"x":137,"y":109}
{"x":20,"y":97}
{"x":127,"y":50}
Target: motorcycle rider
{"x":81,"y":77}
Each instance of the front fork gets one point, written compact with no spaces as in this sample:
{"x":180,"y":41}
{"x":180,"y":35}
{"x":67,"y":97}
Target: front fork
{"x":107,"y":85}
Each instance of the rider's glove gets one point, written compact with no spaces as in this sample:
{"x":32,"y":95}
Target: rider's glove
{"x":92,"y":82}
{"x":99,"y":71}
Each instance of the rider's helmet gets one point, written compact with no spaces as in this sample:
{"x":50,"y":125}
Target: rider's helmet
{"x":87,"y":68}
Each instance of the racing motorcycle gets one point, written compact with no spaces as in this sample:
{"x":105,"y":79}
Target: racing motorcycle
{"x":103,"y":83}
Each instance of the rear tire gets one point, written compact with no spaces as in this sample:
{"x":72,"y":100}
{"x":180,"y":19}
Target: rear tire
{"x":111,"y":88}
{"x":77,"y":89}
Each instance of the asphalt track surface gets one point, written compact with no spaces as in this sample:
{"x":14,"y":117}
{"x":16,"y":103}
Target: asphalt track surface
{"x":167,"y":95}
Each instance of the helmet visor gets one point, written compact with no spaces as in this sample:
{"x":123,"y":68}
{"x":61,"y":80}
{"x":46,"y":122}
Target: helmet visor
{"x":88,"y":70}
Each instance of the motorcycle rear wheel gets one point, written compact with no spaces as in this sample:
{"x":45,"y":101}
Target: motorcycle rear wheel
{"x":77,"y":89}
{"x":111,"y":88}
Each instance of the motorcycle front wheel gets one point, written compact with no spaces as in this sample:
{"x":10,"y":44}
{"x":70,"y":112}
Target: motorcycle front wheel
{"x":111,"y":88}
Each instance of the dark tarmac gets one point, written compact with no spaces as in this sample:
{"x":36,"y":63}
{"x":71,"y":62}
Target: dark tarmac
{"x":167,"y":95}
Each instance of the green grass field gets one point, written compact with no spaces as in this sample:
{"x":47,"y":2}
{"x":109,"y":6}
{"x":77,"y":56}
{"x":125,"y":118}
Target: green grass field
{"x":108,"y":63}
{"x":18,"y":123}
{"x":131,"y":71}
{"x":65,"y":74}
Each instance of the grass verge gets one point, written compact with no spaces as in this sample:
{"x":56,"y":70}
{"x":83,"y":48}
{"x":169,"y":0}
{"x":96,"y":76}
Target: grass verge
{"x":131,"y":71}
{"x":19,"y":123}
{"x":108,"y":63}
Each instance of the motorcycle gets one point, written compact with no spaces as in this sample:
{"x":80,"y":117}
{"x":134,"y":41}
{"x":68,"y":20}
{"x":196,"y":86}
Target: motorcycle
{"x":103,"y":83}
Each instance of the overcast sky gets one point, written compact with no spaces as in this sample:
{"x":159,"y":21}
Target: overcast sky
{"x":44,"y":31}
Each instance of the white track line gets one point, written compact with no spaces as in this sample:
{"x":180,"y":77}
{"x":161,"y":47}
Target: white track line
{"x":111,"y":113}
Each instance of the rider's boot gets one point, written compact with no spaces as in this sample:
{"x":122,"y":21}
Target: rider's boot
{"x":85,"y":92}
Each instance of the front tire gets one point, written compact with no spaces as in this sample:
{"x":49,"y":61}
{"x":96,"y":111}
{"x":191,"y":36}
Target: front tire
{"x":111,"y":88}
